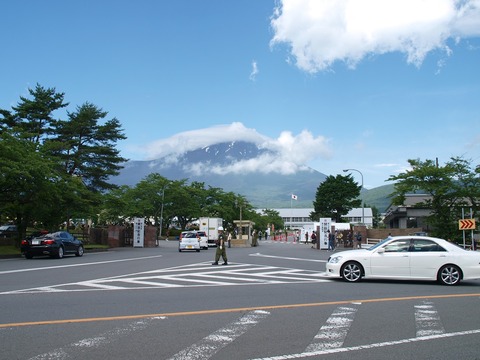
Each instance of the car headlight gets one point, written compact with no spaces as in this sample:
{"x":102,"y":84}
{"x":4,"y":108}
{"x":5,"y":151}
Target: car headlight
{"x":334,"y":259}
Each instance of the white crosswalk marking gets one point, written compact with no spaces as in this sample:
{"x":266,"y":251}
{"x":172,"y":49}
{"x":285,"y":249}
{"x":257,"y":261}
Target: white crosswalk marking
{"x":211,"y":344}
{"x":195,"y":275}
{"x":427,"y":320}
{"x":333,"y":333}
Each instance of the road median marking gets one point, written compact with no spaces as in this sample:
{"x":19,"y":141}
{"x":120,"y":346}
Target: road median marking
{"x":233,"y":310}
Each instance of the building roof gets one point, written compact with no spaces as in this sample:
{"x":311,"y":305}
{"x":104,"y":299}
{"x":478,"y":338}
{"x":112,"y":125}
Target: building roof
{"x":305,"y":212}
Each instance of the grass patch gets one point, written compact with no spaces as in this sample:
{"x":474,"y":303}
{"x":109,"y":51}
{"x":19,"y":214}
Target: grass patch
{"x":95,"y":246}
{"x":9,"y":250}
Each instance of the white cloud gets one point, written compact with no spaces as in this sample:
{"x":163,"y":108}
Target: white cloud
{"x":253,"y":74}
{"x":292,"y":151}
{"x":322,"y":32}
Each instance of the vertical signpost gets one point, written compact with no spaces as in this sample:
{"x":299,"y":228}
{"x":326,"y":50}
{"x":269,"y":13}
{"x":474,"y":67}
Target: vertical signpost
{"x":325,"y":225}
{"x":467,"y":224}
{"x":138,"y":232}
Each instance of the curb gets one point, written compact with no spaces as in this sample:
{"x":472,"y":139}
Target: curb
{"x":14,"y":256}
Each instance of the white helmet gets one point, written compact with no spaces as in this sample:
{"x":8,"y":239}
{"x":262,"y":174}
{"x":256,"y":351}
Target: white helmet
{"x":220,"y":228}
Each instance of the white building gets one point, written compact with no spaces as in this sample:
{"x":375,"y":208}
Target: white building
{"x":300,"y":218}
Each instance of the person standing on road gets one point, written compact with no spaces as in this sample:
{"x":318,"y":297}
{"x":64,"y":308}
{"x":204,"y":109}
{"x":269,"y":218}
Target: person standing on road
{"x":229,"y":239}
{"x":221,"y":251}
{"x":314,"y":238}
{"x":331,"y":241}
{"x":358,"y":242}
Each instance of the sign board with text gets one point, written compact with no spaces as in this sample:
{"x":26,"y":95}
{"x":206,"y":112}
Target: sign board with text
{"x":325,"y":226}
{"x":138,"y":232}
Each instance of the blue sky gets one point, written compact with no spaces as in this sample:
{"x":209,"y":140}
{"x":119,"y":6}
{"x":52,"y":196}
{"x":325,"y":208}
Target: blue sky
{"x":363,"y":84}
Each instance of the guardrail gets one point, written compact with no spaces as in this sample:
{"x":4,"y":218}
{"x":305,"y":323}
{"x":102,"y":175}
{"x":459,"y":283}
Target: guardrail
{"x":371,"y":242}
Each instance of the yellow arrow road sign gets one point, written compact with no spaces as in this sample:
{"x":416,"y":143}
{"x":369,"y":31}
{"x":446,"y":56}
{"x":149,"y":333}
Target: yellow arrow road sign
{"x":466,"y":224}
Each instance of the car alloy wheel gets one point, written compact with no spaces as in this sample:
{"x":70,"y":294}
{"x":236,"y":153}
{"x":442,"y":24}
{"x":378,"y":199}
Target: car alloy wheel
{"x":80,"y":251}
{"x":60,"y":252}
{"x":449,"y":275}
{"x":351,"y":272}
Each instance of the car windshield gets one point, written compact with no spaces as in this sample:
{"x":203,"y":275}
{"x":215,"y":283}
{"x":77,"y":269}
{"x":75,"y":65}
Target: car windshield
{"x":190,"y":235}
{"x":378,"y":244}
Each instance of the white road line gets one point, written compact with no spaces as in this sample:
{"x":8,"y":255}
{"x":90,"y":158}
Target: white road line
{"x":210,"y":345}
{"x":287,"y":258}
{"x":75,"y":265}
{"x":333,"y":333}
{"x":370,"y":346}
{"x":187,"y":276}
{"x":427,"y":320}
{"x":72,"y":350}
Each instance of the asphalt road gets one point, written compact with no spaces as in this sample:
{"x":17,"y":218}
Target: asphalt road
{"x":271,"y":302}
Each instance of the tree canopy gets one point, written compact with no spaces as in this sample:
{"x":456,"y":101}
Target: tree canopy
{"x":54,"y":169}
{"x":335,"y":197}
{"x":450,"y":187}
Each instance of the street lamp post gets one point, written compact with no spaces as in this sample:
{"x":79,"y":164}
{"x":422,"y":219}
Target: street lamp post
{"x":161,"y":213}
{"x":239,"y":204}
{"x":363,"y":208}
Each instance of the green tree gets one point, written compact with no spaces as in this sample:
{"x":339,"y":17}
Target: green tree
{"x":450,"y":187}
{"x":62,"y":165}
{"x":267,"y":218}
{"x":27,"y":182}
{"x":335,"y":197}
{"x":86,"y":148}
{"x":377,"y":218}
{"x":33,"y":118}
{"x":115,"y":206}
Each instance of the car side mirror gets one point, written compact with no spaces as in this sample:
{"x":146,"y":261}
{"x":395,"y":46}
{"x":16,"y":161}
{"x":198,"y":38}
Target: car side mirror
{"x":381,"y":250}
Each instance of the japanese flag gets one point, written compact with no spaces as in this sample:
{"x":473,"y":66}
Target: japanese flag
{"x":294,"y":197}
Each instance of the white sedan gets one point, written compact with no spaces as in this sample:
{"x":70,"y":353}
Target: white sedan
{"x":407,"y":258}
{"x":189,"y":242}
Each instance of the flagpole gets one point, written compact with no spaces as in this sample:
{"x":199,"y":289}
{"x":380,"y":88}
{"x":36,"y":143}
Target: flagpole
{"x":291,"y":211}
{"x":291,"y":214}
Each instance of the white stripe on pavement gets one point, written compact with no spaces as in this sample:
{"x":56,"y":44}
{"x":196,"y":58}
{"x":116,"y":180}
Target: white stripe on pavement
{"x":333,"y":333}
{"x":210,"y":345}
{"x":427,"y":320}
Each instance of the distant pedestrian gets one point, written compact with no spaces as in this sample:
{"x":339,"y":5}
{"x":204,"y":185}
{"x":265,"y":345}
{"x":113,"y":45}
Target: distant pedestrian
{"x":254,"y":238}
{"x":306,"y":237}
{"x":331,"y":240}
{"x":358,"y":240}
{"x":314,"y":238}
{"x":350,"y":239}
{"x":339,"y":238}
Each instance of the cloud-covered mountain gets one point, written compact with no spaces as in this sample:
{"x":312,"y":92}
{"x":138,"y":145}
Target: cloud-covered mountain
{"x":234,"y":166}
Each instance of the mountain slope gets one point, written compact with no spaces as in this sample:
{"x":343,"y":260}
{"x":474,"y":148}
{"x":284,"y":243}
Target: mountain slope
{"x":231,"y":167}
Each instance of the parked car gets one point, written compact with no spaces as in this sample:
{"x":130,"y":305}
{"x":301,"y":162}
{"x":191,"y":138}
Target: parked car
{"x":55,"y":244}
{"x":203,"y":238}
{"x":8,"y":231}
{"x":189,"y":241}
{"x":409,"y":258}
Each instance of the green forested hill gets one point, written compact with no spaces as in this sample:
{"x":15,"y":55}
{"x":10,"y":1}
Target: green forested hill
{"x":378,"y":197}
